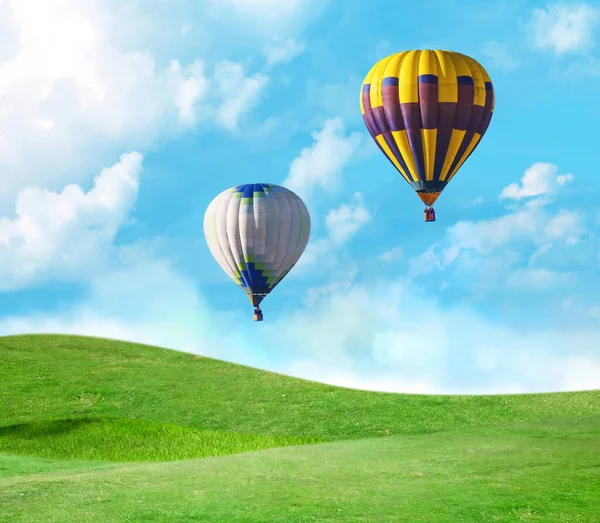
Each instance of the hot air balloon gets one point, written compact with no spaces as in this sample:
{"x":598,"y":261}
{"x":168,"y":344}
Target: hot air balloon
{"x":427,"y":111}
{"x":257,"y":232}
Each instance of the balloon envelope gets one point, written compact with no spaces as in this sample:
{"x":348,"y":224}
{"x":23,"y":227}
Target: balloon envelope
{"x":257,"y":232}
{"x":427,"y":111}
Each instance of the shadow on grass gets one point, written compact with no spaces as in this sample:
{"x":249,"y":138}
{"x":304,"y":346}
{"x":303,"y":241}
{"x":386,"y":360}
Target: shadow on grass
{"x":45,"y":428}
{"x":121,"y":439}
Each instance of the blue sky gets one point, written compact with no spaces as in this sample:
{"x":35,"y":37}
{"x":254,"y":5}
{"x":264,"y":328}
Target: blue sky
{"x":121,"y":121}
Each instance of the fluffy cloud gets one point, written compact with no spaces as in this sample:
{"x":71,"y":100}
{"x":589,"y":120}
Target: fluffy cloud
{"x":67,"y":235}
{"x":531,"y":226}
{"x":344,"y":222}
{"x":565,"y":28}
{"x":341,"y":224}
{"x":510,"y":251}
{"x":375,"y":332}
{"x":537,"y":279}
{"x":239,"y":93}
{"x":377,"y":339}
{"x":375,"y":335}
{"x":283,"y":52}
{"x":142,"y":300}
{"x":321,"y":164}
{"x":189,"y":89}
{"x":540,"y":179}
{"x":73,"y":94}
{"x":395,"y":253}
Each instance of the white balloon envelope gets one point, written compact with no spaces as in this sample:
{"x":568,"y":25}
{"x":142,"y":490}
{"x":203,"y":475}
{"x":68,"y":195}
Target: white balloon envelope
{"x":257,"y":233}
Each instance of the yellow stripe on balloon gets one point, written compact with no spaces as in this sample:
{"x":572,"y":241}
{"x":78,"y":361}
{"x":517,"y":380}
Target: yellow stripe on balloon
{"x":376,"y":94}
{"x":460,"y":65}
{"x":401,"y":139}
{"x":427,"y":63}
{"x":447,"y":85}
{"x":455,"y":141}
{"x":390,"y":155}
{"x":409,"y":72}
{"x":478,"y":81}
{"x":393,"y":66}
{"x":471,"y":146}
{"x":429,"y":138}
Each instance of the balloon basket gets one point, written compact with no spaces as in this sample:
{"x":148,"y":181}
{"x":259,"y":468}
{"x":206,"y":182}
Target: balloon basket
{"x":429,"y":215}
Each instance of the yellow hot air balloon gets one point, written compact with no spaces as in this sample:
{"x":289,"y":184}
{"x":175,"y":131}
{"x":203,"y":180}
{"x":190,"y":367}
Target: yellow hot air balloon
{"x":427,"y":111}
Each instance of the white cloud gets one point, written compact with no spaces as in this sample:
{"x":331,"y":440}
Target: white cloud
{"x":344,"y":222}
{"x":539,"y":252}
{"x":565,"y":28}
{"x":499,"y":244}
{"x":498,"y":54}
{"x":189,"y":90}
{"x":143,"y":300}
{"x":375,"y":335}
{"x":283,"y":52}
{"x":322,"y":163}
{"x":239,"y":93}
{"x":376,"y":339}
{"x":67,"y":234}
{"x":533,"y":225}
{"x":537,"y":279}
{"x":73,"y":93}
{"x":341,"y":224}
{"x":395,"y":253}
{"x":540,"y":179}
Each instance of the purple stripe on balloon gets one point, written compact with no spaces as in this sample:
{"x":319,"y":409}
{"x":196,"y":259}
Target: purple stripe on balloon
{"x":411,"y":115}
{"x":475,"y":120}
{"x":478,"y":123}
{"x":391,"y":105}
{"x":380,"y":120}
{"x":441,"y":150}
{"x":446,"y":116}
{"x":428,"y":79}
{"x":366,"y":88}
{"x":390,"y":81}
{"x":377,"y":124}
{"x":466,"y":97}
{"x":485,"y":122}
{"x":391,"y":142}
{"x":428,"y":103}
{"x":487,"y":109}
{"x":370,"y":123}
{"x":368,"y":117}
{"x":412,"y":119}
{"x":466,"y":94}
{"x":465,"y":80}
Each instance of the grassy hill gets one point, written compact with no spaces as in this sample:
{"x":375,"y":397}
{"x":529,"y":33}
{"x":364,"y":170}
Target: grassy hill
{"x":90,"y":430}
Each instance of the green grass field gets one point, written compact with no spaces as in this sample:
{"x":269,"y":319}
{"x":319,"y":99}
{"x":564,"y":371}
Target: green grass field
{"x":101,"y":430}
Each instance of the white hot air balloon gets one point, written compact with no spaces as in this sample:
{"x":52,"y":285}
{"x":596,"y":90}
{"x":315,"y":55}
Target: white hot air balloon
{"x":257,"y":232}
